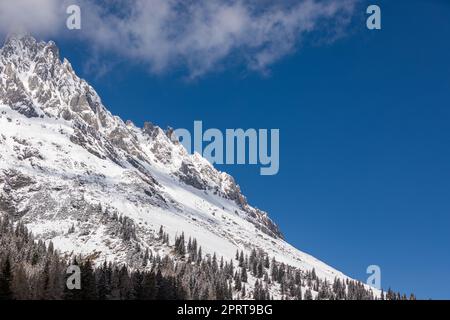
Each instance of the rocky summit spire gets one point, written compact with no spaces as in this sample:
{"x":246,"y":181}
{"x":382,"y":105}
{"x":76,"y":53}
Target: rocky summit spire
{"x":23,"y":45}
{"x":33,"y":73}
{"x":21,"y":49}
{"x":16,"y":37}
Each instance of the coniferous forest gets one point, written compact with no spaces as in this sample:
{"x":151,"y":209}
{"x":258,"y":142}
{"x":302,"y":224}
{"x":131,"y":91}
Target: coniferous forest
{"x":32,"y":270}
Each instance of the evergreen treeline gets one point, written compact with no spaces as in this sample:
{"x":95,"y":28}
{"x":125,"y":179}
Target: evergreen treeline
{"x":32,"y":270}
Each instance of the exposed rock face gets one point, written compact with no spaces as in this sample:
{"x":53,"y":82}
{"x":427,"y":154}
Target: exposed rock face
{"x":37,"y":84}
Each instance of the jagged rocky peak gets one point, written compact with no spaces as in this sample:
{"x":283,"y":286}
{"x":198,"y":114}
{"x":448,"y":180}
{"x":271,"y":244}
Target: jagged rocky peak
{"x":21,"y":45}
{"x":36,"y":83}
{"x":35,"y":74}
{"x":26,"y":54}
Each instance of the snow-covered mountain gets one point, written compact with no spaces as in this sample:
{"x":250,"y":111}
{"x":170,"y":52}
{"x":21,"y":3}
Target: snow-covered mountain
{"x":69,"y":168}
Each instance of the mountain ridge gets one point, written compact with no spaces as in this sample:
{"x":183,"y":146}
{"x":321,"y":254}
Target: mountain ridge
{"x":68,"y":167}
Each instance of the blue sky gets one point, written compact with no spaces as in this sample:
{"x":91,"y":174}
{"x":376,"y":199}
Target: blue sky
{"x":364,"y":123}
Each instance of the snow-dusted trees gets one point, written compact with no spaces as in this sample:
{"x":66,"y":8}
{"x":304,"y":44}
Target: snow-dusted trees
{"x":28,"y":269}
{"x":34,"y":270}
{"x":180,"y":245}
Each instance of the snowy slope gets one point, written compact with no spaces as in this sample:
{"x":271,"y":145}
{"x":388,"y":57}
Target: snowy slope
{"x":66,"y":162}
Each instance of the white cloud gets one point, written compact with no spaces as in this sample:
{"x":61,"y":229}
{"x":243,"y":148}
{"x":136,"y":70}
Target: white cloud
{"x":39,"y":16}
{"x":199,"y":35}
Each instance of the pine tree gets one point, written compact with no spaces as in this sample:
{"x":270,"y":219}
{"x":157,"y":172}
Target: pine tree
{"x":20,"y":284}
{"x":125,"y":286}
{"x":244,"y":276}
{"x":199,"y":255}
{"x":180,"y":246}
{"x":308,"y":294}
{"x":241,"y":259}
{"x":101,"y":283}
{"x":137,"y":292}
{"x":298,"y":293}
{"x":6,"y":280}
{"x":88,"y":281}
{"x":266,"y":262}
{"x":237,"y":282}
{"x":259,"y":272}
{"x":243,"y":292}
{"x":150,"y":290}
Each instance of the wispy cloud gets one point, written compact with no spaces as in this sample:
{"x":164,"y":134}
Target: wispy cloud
{"x":41,"y":17}
{"x":200,"y":36}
